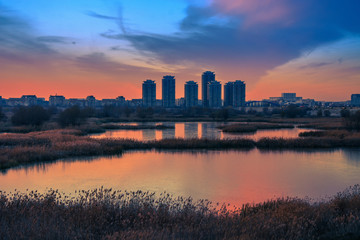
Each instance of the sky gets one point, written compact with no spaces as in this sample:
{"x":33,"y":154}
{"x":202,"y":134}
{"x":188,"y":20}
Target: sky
{"x":107,"y":48}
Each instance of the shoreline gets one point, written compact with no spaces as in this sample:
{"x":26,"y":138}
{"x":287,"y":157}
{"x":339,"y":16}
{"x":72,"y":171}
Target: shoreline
{"x":40,"y":147}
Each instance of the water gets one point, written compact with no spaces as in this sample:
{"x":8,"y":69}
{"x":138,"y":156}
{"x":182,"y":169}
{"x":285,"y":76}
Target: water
{"x":195,"y":130}
{"x":234,"y":177}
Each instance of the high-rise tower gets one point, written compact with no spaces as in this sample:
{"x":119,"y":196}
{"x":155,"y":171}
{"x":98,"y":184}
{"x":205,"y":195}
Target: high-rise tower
{"x":228,"y":94}
{"x":168,"y":91}
{"x":214,"y":94}
{"x":206,"y":78}
{"x":191,"y":94}
{"x":149,"y":93}
{"x":239,"y":94}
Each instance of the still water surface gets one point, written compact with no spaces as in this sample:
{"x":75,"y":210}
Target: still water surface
{"x":194,"y":130}
{"x":234,"y":177}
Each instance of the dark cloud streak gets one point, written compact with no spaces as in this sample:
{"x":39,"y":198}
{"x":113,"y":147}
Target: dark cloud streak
{"x":205,"y":41}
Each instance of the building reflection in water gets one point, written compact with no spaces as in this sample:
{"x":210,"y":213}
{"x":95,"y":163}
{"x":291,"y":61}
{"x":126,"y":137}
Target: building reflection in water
{"x":204,"y":130}
{"x":168,"y":133}
{"x":209,"y":130}
{"x":191,"y":130}
{"x":148,"y":134}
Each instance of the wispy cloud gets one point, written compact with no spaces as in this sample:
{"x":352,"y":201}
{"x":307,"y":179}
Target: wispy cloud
{"x":221,"y":33}
{"x":56,"y":39}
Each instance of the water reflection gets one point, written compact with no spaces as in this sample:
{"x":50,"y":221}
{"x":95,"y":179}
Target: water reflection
{"x":195,"y":130}
{"x":148,"y":134}
{"x":352,"y":156}
{"x":191,"y":130}
{"x":221,"y":176}
{"x":168,"y":133}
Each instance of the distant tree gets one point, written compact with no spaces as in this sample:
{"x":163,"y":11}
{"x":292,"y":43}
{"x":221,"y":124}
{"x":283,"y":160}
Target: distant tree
{"x":87,"y":112}
{"x":292,"y":111}
{"x":266,"y":111}
{"x":2,"y":115}
{"x":52,"y":110}
{"x":327,"y":113}
{"x":242,"y":111}
{"x":353,"y":121}
{"x":108,"y":111}
{"x":144,"y":112}
{"x":276,"y":111}
{"x":222,"y":114}
{"x":345,"y":113}
{"x":71,"y":116}
{"x":127,"y":111}
{"x":252,"y":111}
{"x":32,"y":115}
{"x":319,"y":113}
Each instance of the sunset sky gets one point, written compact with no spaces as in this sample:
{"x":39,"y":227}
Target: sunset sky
{"x":106,"y":48}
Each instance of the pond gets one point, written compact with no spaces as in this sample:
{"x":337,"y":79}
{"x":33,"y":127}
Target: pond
{"x":195,"y":130}
{"x":235,"y":177}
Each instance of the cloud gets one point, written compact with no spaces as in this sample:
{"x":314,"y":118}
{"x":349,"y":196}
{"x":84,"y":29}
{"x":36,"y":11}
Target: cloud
{"x":55,"y":39}
{"x":97,"y":15}
{"x":316,"y":65}
{"x":17,"y":39}
{"x":240,"y":34}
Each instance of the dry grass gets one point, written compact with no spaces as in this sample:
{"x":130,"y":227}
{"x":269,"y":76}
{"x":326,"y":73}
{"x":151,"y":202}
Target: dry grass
{"x":325,"y":124}
{"x":107,"y":214}
{"x":341,"y":134}
{"x":136,"y":127}
{"x":309,"y":143}
{"x":17,"y":149}
{"x":252,"y":127}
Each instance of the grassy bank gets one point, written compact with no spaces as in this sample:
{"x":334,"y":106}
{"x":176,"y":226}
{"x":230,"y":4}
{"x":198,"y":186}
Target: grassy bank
{"x":325,"y":124}
{"x":107,"y":214}
{"x":17,"y":149}
{"x":252,"y":127}
{"x":136,"y":127}
{"x":342,"y":134}
{"x":306,"y":143}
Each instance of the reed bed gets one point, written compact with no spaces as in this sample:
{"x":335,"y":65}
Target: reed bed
{"x":18,"y":149}
{"x":136,"y":127}
{"x":308,"y":143}
{"x":331,"y":133}
{"x":335,"y":124}
{"x":252,"y":127}
{"x":108,"y":214}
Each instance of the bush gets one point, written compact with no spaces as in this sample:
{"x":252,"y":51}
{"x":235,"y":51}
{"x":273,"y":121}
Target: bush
{"x":71,"y":116}
{"x":345,"y":113}
{"x":319,"y":113}
{"x":2,"y":115}
{"x":327,"y":113}
{"x":293,"y":111}
{"x":33,"y":115}
{"x":353,"y":122}
{"x":144,"y":112}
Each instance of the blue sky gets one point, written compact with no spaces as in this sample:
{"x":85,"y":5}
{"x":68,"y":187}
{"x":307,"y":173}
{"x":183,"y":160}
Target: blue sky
{"x":104,"y":43}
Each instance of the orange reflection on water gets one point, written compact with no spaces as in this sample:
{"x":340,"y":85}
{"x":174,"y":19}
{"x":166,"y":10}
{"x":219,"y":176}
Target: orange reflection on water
{"x":195,"y":130}
{"x":234,"y":177}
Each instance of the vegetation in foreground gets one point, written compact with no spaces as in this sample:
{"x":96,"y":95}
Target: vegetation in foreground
{"x":107,"y":214}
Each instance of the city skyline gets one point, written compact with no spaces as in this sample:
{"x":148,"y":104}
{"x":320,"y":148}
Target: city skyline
{"x":104,"y":48}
